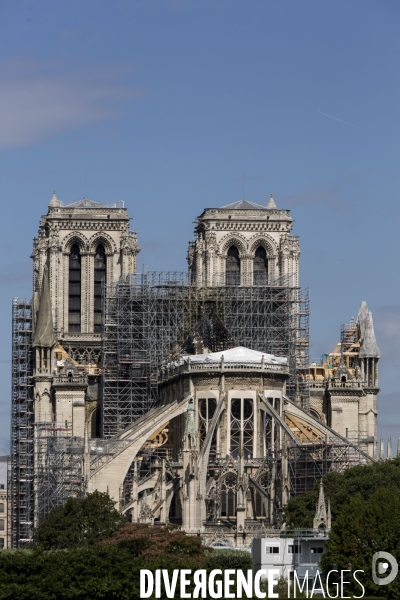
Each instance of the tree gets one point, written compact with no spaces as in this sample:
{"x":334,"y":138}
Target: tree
{"x":365,"y":526}
{"x":341,"y":487}
{"x":80,"y":522}
{"x":166,"y":544}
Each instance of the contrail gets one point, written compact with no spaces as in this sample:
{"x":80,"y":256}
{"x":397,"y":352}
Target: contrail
{"x":340,"y":121}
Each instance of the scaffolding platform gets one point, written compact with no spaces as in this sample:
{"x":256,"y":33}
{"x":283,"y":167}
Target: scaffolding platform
{"x":151,"y":317}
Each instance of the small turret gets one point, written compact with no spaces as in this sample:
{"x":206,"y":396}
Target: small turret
{"x":271,"y":203}
{"x":54,"y":202}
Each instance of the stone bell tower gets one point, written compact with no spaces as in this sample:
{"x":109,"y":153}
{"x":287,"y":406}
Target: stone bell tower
{"x":244,"y":243}
{"x":80,"y":247}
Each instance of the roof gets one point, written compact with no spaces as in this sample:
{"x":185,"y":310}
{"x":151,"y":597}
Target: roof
{"x":84,"y":203}
{"x":237,"y":355}
{"x":245,"y":205}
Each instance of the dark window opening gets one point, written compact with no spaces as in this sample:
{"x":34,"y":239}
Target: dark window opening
{"x":260,"y":267}
{"x":175,"y":510}
{"x":74,"y":290}
{"x":99,"y":280}
{"x":228,"y":497}
{"x":95,"y":424}
{"x":233,"y":266}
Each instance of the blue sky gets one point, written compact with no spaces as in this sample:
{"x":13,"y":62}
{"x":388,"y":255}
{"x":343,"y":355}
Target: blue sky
{"x":166,"y":103}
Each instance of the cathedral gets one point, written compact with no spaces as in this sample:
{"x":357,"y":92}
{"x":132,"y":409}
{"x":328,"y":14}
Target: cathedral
{"x":189,"y":399}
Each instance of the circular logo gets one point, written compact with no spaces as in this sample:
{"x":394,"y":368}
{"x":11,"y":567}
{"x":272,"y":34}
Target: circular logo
{"x":382,"y":567}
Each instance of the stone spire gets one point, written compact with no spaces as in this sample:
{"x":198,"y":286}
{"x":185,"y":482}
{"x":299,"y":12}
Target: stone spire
{"x":271,"y":203}
{"x":322,"y":516}
{"x":369,"y":347}
{"x":54,"y":202}
{"x":44,"y":332}
{"x":381,"y":450}
{"x":389,"y":448}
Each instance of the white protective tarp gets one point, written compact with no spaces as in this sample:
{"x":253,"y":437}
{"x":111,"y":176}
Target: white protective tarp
{"x":236,"y":355}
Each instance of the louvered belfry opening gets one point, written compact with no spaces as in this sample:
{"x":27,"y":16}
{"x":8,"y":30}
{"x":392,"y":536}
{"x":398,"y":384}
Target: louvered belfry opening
{"x":99,"y":280}
{"x":260,"y":267}
{"x":233,"y":266}
{"x":74,"y":290}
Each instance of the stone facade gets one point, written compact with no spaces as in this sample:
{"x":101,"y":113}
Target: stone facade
{"x":344,"y":386}
{"x":68,"y":350}
{"x":86,"y":224}
{"x":248,"y":228}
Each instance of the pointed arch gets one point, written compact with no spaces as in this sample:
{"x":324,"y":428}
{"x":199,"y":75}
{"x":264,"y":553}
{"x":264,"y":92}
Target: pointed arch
{"x":233,"y":239}
{"x":266,"y":242}
{"x":75,"y":237}
{"x":101,"y":237}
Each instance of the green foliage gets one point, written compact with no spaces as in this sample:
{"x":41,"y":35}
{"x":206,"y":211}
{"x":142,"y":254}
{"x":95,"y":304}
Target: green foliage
{"x":109,"y":570}
{"x":80,"y":521}
{"x":230,"y":559}
{"x":363,"y":527}
{"x":167,"y":544}
{"x":340,"y":487}
{"x":82,"y":574}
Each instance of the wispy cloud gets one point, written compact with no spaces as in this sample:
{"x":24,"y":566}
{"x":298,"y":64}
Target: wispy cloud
{"x":38,"y":101}
{"x":341,"y":121}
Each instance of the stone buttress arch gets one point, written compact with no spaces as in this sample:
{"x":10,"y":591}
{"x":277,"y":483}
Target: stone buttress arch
{"x":110,"y":475}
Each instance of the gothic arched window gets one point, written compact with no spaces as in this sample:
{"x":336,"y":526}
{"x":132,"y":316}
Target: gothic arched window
{"x":99,"y":280}
{"x":260,"y":267}
{"x":242,"y":427}
{"x":207,"y":408}
{"x":74,"y":289}
{"x":233,"y":266}
{"x":228,"y":496}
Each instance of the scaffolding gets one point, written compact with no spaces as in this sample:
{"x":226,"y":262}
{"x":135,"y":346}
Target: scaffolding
{"x":59,"y":466}
{"x":22,"y":434}
{"x":151,"y":317}
{"x":310,"y":461}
